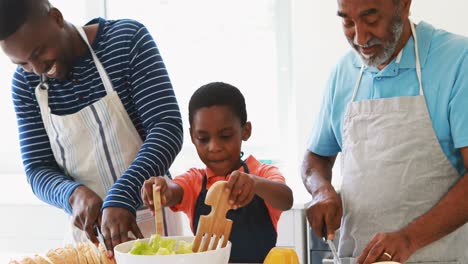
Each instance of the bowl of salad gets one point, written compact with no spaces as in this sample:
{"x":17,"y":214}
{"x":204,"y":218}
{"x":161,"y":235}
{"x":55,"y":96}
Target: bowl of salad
{"x":170,"y":250}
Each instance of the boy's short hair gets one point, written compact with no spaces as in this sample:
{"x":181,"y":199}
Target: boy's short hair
{"x":14,"y":13}
{"x":218,"y":94}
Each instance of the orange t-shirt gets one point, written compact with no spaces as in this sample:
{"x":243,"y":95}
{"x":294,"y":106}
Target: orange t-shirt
{"x":191,"y":183}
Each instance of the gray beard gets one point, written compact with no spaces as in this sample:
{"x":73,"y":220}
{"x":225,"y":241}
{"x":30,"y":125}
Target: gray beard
{"x":389,"y":47}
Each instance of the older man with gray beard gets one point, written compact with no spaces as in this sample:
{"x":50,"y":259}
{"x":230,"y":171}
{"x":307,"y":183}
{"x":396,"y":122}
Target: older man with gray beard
{"x":396,"y":110}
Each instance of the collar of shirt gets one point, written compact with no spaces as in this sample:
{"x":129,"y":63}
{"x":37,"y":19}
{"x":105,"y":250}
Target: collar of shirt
{"x":424,"y":32}
{"x":252,"y":164}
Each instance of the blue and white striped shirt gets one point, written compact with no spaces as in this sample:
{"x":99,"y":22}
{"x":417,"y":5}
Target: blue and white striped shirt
{"x":138,"y":74}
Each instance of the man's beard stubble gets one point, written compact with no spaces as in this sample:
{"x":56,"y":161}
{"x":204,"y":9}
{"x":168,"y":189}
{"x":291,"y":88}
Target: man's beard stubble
{"x":388,"y":47}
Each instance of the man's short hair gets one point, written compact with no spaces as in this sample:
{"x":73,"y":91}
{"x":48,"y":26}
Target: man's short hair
{"x":218,"y":94}
{"x":14,"y":13}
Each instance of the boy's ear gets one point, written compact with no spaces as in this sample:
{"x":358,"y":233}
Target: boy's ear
{"x":247,"y":131}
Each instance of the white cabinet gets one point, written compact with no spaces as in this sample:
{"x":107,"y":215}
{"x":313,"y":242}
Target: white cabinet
{"x":292,"y":231}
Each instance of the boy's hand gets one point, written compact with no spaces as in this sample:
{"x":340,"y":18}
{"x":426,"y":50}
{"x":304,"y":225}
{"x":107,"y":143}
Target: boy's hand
{"x":147,"y":191}
{"x":242,"y":188}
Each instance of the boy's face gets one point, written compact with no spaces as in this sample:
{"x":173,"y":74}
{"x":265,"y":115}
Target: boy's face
{"x":42,"y":46}
{"x":217,"y":135}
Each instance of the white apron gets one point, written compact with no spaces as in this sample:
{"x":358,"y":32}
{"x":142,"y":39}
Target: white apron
{"x":394,"y":170}
{"x":96,"y":145}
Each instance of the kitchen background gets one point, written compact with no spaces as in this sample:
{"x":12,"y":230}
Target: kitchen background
{"x":275,"y":50}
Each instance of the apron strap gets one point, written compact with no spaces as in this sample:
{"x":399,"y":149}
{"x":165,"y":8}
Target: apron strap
{"x":418,"y":63}
{"x":398,"y":59}
{"x":356,"y":86}
{"x":400,"y":54}
{"x":42,"y":97}
{"x":246,"y":168}
{"x":102,"y":72}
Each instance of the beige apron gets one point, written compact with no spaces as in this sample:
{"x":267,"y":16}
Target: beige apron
{"x":96,"y":145}
{"x":394,"y":170}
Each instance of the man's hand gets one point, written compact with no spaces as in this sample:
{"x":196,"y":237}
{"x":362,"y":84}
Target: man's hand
{"x":395,"y":246}
{"x":86,"y":207}
{"x":242,"y":188}
{"x":325,"y":208}
{"x":116,"y":223}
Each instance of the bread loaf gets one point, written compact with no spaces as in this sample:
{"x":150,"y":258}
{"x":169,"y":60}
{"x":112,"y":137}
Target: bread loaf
{"x":82,"y":253}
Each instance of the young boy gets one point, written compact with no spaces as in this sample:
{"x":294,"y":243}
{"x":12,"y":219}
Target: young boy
{"x":218,"y":125}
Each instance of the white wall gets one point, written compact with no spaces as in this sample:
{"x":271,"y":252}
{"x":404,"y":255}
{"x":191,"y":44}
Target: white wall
{"x":449,"y":15}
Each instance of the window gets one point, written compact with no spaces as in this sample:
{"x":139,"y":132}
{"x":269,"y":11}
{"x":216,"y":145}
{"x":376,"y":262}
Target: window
{"x":9,"y":152}
{"x":237,"y":42}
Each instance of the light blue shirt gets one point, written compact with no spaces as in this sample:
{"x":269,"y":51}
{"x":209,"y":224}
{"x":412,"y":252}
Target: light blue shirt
{"x":444,"y":63}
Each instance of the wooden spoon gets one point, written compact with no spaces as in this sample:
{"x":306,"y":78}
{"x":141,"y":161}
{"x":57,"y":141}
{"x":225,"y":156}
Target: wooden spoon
{"x":158,"y":214}
{"x":215,"y":225}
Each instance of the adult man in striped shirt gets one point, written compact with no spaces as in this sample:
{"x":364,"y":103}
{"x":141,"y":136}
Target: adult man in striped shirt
{"x":96,"y":112}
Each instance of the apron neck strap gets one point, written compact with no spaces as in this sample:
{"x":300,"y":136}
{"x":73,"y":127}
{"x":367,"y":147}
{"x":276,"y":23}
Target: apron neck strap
{"x":102,"y":72}
{"x":418,"y":63}
{"x":400,"y":54}
{"x":246,"y":168}
{"x":356,"y":86}
{"x":398,"y":59}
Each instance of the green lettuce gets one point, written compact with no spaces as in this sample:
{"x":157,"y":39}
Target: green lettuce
{"x":158,"y":245}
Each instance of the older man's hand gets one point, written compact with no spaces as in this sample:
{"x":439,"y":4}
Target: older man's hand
{"x":395,"y":246}
{"x":325,"y":209}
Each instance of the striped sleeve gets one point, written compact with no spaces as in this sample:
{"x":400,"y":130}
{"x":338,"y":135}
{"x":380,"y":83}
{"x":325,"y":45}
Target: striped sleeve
{"x":157,"y":107}
{"x":47,"y":181}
